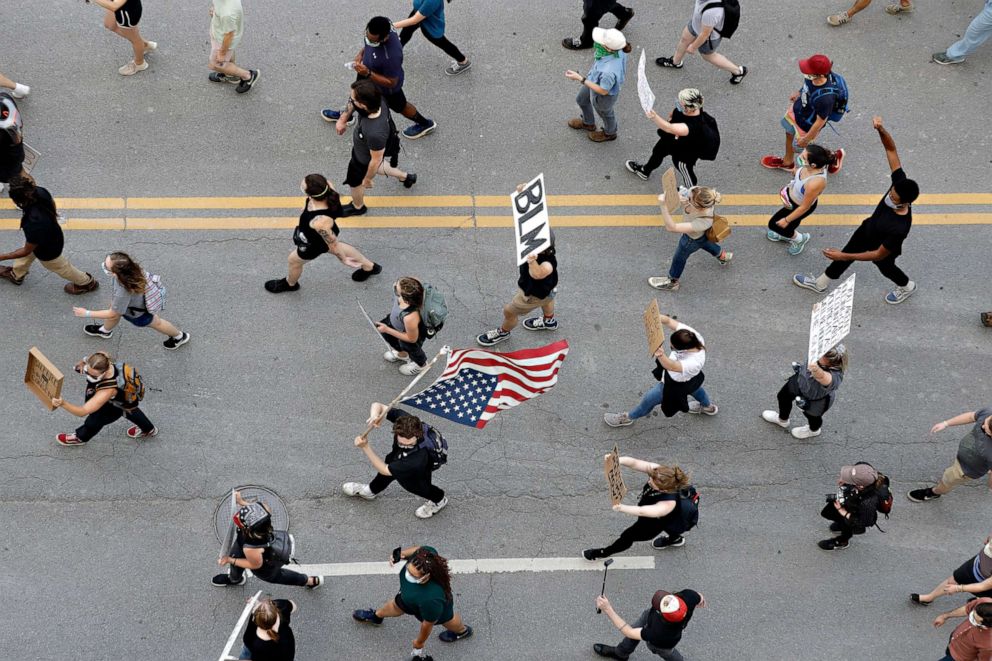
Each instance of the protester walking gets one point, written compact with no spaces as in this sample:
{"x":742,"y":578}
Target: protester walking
{"x":113,"y":390}
{"x":411,"y":461}
{"x":977,"y":34}
{"x":972,"y":639}
{"x":317,"y":233}
{"x":800,"y":197}
{"x":974,"y":457}
{"x":404,"y":329}
{"x":893,"y":9}
{"x":375,"y":145}
{"x":137,"y":297}
{"x":592,"y":13}
{"x":710,"y":24}
{"x":268,"y":636}
{"x":428,"y":16}
{"x":601,"y":86}
{"x":814,"y":388}
{"x":536,"y":288}
{"x":381,"y":61}
{"x":822,"y":98}
{"x":666,"y":509}
{"x":122,"y":19}
{"x":689,"y":133}
{"x":973,"y":577}
{"x":680,"y":376}
{"x":879,"y":238}
{"x":12,"y":153}
{"x":43,"y":240}
{"x":425,"y":593}
{"x":660,"y":627}
{"x":17,"y":90}
{"x":862,"y":493}
{"x":227,"y":24}
{"x":699,"y":207}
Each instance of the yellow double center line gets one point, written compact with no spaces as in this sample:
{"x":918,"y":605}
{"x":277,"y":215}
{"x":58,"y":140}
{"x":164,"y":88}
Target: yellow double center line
{"x":465,"y":211}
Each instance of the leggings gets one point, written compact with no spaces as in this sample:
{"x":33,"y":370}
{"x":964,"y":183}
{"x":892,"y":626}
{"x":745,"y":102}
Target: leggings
{"x":790,"y":229}
{"x":785,"y":401}
{"x":642,"y":530}
{"x":441,"y":42}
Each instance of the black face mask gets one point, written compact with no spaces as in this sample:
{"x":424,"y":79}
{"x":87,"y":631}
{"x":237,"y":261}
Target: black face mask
{"x":362,"y":111}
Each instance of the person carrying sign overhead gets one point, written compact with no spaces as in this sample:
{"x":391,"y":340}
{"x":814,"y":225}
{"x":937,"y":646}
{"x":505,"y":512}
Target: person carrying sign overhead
{"x":699,"y":205}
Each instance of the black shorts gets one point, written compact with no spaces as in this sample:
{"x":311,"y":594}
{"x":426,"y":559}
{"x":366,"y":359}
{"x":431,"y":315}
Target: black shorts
{"x":964,"y":575}
{"x":311,"y":251}
{"x":356,"y":172}
{"x":395,"y":101}
{"x":129,"y":15}
{"x":446,"y":616}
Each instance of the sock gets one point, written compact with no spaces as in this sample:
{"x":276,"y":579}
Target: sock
{"x":420,"y":119}
{"x":823,"y":281}
{"x":103,"y":329}
{"x":547,"y":318}
{"x":178,"y":337}
{"x":796,"y":237}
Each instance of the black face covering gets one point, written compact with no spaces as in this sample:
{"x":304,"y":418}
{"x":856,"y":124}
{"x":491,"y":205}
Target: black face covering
{"x":361,"y":111}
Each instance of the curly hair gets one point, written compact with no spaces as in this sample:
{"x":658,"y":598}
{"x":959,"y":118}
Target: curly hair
{"x":431,"y":563}
{"x":669,"y":478}
{"x":412,"y":291}
{"x":409,"y":426}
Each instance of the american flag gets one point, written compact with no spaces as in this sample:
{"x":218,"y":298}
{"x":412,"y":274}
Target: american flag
{"x":476,"y":383}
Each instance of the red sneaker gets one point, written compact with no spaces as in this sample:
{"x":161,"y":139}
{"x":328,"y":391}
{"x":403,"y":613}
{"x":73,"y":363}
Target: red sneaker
{"x":835,"y":168}
{"x":776,"y":163}
{"x":69,"y":439}
{"x":135,"y":432}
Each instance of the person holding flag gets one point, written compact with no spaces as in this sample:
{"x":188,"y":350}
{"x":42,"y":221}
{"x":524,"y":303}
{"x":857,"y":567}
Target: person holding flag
{"x":660,"y":627}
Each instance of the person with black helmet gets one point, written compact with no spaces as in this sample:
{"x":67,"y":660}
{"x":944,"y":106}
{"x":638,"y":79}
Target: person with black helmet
{"x":815,"y":386}
{"x":252,"y":549}
{"x":660,"y":627}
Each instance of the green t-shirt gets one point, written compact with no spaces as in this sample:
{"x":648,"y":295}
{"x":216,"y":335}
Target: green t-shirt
{"x":426,"y":602}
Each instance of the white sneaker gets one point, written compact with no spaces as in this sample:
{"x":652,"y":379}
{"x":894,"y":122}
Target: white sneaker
{"x":131,"y":68}
{"x":429,"y":509}
{"x":20,"y":91}
{"x":391,"y":356}
{"x":358,"y":489}
{"x":772,"y":417}
{"x":410,"y":369}
{"x":696,"y":407}
{"x":150,"y":46}
{"x":804,"y":432}
{"x":900,"y":294}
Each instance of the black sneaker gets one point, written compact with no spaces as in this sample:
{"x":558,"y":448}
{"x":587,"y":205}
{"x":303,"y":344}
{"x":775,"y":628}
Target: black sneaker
{"x":922,"y":495}
{"x":246,"y":85}
{"x":366,"y":615}
{"x":361,"y":276}
{"x":93,"y":330}
{"x":664,"y":541}
{"x":636,"y":168}
{"x":592,"y":555}
{"x":280,"y":285}
{"x":833,"y":544}
{"x":410,"y":180}
{"x":668,"y":63}
{"x":172,"y":343}
{"x":608,"y":651}
{"x":738,"y":77}
{"x":223,"y":581}
{"x":350,"y":210}
{"x":447,"y":636}
{"x":217,"y":77}
{"x":622,"y":22}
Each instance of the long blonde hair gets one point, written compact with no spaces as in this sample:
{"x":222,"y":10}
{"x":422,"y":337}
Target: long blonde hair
{"x":266,"y":615}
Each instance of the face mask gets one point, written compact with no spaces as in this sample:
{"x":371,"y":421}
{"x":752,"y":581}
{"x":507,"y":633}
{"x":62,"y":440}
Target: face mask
{"x":361,"y":111}
{"x":975,"y":621}
{"x":988,"y":549}
{"x":810,"y":76}
{"x":600,"y":51}
{"x":679,"y":106}
{"x":889,"y":203}
{"x":92,"y":379}
{"x":105,"y":269}
{"x":373,"y":44}
{"x":801,"y":162}
{"x":420,"y":581}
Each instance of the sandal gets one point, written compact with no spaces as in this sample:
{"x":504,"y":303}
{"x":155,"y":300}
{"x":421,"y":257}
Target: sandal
{"x":915,"y":598}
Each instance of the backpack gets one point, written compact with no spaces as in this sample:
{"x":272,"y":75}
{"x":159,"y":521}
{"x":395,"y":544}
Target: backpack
{"x":687,"y":506}
{"x":131,"y":386}
{"x":434,"y":310}
{"x":708,"y":144}
{"x":731,"y":16}
{"x":154,"y":293}
{"x":283,"y":547}
{"x":10,"y":119}
{"x":884,"y":493}
{"x":719,"y":230}
{"x":835,"y":85}
{"x":436,"y":446}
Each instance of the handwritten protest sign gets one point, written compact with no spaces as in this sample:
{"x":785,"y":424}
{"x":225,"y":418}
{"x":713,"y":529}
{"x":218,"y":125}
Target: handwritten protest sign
{"x":532,"y":227}
{"x":671,"y":189}
{"x":613,"y":477}
{"x":643,"y":89}
{"x":831,"y":319}
{"x":43,"y":378}
{"x":653,"y":327}
{"x":31,"y":156}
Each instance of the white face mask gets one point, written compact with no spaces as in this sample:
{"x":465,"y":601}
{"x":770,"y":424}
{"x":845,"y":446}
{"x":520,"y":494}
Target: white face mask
{"x":889,"y":203}
{"x":92,"y":379}
{"x":408,"y":576}
{"x":988,"y":549}
{"x":973,"y":618}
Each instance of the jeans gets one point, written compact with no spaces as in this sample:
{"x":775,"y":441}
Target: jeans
{"x":887,"y":266}
{"x":591,"y":18}
{"x":106,"y":414}
{"x":628,"y":645}
{"x":604,"y":106}
{"x":785,"y":401}
{"x":245,"y":652}
{"x":978,"y":31}
{"x":441,"y":42}
{"x":685,"y":248}
{"x":652,"y":398}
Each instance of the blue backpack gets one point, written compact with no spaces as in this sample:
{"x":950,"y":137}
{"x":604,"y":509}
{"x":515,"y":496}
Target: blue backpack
{"x":835,"y":85}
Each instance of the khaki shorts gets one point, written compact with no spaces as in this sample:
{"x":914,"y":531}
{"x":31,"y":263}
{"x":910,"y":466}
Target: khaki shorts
{"x":522,"y":304}
{"x":954,"y":476}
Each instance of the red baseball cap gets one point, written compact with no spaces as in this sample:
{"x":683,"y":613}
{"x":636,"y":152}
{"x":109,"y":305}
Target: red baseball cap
{"x":818,"y":65}
{"x":671,"y":607}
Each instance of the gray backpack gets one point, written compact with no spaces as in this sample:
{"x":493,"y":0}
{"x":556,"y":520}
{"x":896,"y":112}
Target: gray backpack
{"x":283,"y":547}
{"x":435,"y":310}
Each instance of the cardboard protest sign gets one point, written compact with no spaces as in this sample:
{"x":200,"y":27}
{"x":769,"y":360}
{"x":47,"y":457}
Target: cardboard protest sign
{"x":671,"y":189}
{"x":43,"y":378}
{"x":613,"y":477}
{"x":531,"y":225}
{"x":249,"y":607}
{"x":372,"y":323}
{"x":653,"y":327}
{"x":643,"y":89}
{"x":830,"y":321}
{"x":31,"y":156}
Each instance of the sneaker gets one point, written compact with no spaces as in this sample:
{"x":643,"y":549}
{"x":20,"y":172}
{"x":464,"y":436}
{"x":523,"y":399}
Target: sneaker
{"x":833,"y":544}
{"x":915,"y":598}
{"x":415,"y":131}
{"x":493,"y":337}
{"x":804,"y":432}
{"x":807,"y":281}
{"x":317,"y":582}
{"x":664,"y":283}
{"x":772,"y":417}
{"x":93,"y":330}
{"x":223,"y":581}
{"x":986,"y":318}
{"x":725,"y":257}
{"x":69,"y":439}
{"x":20,"y":91}
{"x":246,"y":85}
{"x":131,"y":68}
{"x":574,"y":43}
{"x":361,"y":275}
{"x":608,"y":651}
{"x":75,"y":290}
{"x":540,"y":323}
{"x":776,"y":163}
{"x":943,"y":58}
{"x":430,"y":508}
{"x":135,"y":432}
{"x":737,"y":78}
{"x":172,"y":343}
{"x":622,"y":22}
{"x":447,"y":636}
{"x":592,"y":555}
{"x":7,"y":273}
{"x":617,"y":419}
{"x":636,"y":168}
{"x":837,"y":20}
{"x":900,"y":294}
{"x":280,"y":285}
{"x":455,"y":68}
{"x":392,"y":357}
{"x":665,"y":542}
{"x":838,"y":163}
{"x":367,"y":616}
{"x":579,"y":125}
{"x":410,"y":369}
{"x":774,"y":236}
{"x":410,"y":180}
{"x":796,"y":246}
{"x":358,"y":489}
{"x":217,"y":77}
{"x":150,"y":46}
{"x":602,"y":136}
{"x":331,"y":115}
{"x":922,"y":495}
{"x":898,"y":8}
{"x":668,"y":63}
{"x":697,"y":408}
{"x":350,"y":209}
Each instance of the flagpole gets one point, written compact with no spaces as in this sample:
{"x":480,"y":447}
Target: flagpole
{"x":444,"y":350}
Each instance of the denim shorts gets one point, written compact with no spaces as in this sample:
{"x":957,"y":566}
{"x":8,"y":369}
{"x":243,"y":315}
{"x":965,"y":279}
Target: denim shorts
{"x":141,"y":321}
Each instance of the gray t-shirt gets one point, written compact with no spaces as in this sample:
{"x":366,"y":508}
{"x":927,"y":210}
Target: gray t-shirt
{"x":975,"y":449}
{"x":126,"y":304}
{"x":812,"y":389}
{"x":371,"y":135}
{"x":712,"y":17}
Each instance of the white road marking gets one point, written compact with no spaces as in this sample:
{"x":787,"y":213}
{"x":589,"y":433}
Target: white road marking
{"x":480,"y":566}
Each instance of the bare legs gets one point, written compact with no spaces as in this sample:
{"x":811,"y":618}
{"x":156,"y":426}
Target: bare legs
{"x":511,"y":319}
{"x":133,"y":35}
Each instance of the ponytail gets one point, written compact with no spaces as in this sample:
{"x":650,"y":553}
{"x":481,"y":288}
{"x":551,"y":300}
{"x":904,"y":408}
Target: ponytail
{"x":266,"y":615}
{"x":820,"y":157}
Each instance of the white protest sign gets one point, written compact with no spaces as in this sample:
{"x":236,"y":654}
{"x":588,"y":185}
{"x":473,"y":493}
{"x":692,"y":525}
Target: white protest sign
{"x":226,"y":654}
{"x":831,"y":320}
{"x":531,"y":225}
{"x":225,"y":545}
{"x":643,"y":89}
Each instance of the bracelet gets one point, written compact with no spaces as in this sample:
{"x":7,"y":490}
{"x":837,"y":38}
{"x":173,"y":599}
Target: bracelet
{"x":620,"y":628}
{"x":89,"y":314}
{"x":583,"y":81}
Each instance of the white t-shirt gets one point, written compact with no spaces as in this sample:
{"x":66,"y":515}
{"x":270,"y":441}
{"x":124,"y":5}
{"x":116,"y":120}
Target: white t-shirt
{"x":712,"y":17}
{"x":228,"y":17}
{"x":692,"y":361}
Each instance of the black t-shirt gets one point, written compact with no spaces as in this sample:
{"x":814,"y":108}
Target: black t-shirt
{"x":885,"y":227}
{"x":410,"y":467}
{"x":283,"y":649}
{"x":42,"y":229}
{"x":664,"y":634}
{"x":309,"y":239}
{"x":538,"y":288}
{"x":11,"y":157}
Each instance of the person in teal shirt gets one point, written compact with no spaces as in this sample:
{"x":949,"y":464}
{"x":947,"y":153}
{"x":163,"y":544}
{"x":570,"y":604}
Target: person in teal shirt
{"x":601,"y":87}
{"x":429,"y":16}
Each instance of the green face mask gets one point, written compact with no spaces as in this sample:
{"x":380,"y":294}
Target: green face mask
{"x":600,"y":51}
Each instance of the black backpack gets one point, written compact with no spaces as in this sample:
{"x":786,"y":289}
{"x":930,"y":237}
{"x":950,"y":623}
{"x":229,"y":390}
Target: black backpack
{"x":687,"y":506}
{"x":708,"y":143}
{"x":436,"y":447}
{"x":731,"y":16}
{"x":283,"y":547}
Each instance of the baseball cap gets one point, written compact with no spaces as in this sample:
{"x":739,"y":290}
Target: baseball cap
{"x":672,"y":608}
{"x":818,"y":65}
{"x":612,"y":38}
{"x":860,"y":475}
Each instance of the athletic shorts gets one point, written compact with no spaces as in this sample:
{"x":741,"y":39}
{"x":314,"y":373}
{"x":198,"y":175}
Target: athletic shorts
{"x":310,"y":251}
{"x":142,"y":320}
{"x":446,"y":616}
{"x":356,"y":172}
{"x":395,"y":101}
{"x":710,"y":44}
{"x":129,"y":15}
{"x":522,"y":304}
